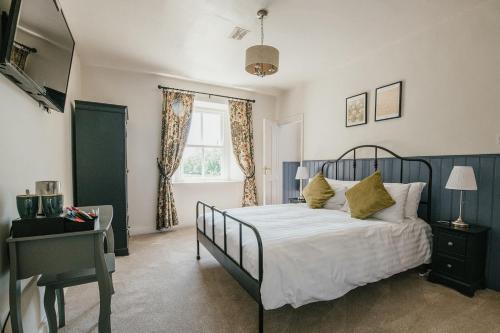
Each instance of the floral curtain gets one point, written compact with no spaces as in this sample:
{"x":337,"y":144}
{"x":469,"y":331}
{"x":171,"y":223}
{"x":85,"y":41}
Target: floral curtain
{"x":240,"y":115}
{"x":176,"y":120}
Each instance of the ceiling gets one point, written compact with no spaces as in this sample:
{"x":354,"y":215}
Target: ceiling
{"x":189,"y":38}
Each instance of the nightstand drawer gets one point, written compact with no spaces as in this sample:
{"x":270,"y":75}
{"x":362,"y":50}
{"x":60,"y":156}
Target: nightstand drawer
{"x":452,"y":243}
{"x":449,"y":266}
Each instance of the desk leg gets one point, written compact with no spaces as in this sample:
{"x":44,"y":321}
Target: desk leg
{"x":14,"y":292}
{"x":110,"y":240}
{"x":104,"y":282}
{"x":48,"y":302}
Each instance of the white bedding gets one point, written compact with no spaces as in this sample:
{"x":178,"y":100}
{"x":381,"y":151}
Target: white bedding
{"x":320,"y":254}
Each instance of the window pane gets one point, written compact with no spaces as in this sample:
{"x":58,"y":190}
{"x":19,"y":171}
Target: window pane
{"x":212,"y":129}
{"x":213,"y":162}
{"x":191,"y":161}
{"x":194,"y":137}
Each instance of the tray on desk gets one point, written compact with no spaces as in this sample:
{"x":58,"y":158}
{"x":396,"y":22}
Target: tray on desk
{"x":40,"y":226}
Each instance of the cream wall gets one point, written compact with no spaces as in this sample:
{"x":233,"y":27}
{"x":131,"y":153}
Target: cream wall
{"x":140,"y":93}
{"x":451,"y":82}
{"x":34,"y":145}
{"x":289,"y":149}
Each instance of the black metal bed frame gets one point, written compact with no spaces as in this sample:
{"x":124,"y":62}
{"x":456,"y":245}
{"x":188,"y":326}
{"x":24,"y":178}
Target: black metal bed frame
{"x":235,"y":267}
{"x":428,"y":202}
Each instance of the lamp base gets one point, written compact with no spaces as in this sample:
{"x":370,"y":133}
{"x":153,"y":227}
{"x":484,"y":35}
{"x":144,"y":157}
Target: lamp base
{"x":459,"y":223}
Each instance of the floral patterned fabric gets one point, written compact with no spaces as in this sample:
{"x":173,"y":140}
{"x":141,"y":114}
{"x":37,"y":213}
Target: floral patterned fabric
{"x":176,"y":120}
{"x":18,"y":56}
{"x":240,"y":115}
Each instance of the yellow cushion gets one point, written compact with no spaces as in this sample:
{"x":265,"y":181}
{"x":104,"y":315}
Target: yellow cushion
{"x":368,"y":197}
{"x":318,"y":191}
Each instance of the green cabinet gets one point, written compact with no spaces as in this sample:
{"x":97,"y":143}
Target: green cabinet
{"x":100,"y":162}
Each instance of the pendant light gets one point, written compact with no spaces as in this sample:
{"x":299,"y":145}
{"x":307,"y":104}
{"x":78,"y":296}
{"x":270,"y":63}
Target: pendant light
{"x":262,"y":60}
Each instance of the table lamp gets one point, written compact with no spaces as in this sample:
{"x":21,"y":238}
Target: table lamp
{"x":461,"y":178}
{"x":302,"y":173}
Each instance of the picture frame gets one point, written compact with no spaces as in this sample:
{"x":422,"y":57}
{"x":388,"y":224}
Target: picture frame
{"x":388,"y":101}
{"x":356,"y":110}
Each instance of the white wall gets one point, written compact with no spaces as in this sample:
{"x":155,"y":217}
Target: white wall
{"x":34,"y":146}
{"x":289,"y":149}
{"x":451,"y":82}
{"x":140,"y":93}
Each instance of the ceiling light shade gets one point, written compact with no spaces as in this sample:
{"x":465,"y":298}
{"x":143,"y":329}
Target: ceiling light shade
{"x":262,"y":60}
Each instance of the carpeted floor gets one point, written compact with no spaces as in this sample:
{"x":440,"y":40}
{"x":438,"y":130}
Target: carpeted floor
{"x":161,"y":287}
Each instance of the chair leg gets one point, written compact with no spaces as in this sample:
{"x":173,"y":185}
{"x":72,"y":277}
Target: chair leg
{"x":48,"y":302}
{"x":261,"y":318}
{"x":112,"y":286}
{"x":60,"y":307}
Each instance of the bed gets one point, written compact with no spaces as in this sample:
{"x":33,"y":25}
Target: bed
{"x":291,"y":254}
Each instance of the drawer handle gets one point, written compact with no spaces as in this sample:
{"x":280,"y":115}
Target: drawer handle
{"x":449,"y":265}
{"x":450,"y":243}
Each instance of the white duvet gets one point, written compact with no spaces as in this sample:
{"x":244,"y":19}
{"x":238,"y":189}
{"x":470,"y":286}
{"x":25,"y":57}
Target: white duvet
{"x":319,"y":254}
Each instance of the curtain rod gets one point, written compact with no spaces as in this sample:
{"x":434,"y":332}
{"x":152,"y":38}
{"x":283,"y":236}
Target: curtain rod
{"x":204,"y":93}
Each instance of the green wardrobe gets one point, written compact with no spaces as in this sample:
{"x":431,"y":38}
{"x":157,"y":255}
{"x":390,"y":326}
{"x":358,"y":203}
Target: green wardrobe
{"x":100,"y":162}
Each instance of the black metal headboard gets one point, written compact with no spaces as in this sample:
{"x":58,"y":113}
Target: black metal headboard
{"x":427,"y":202}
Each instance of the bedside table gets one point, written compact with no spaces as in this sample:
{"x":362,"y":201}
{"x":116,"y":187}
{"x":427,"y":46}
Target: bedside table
{"x":459,"y":256}
{"x":296,"y":200}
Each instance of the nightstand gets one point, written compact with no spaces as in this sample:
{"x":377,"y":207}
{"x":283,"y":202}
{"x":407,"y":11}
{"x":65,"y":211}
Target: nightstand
{"x":296,"y":200}
{"x":459,"y":256}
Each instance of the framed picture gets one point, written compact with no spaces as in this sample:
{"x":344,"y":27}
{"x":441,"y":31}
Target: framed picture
{"x":355,"y":110}
{"x":388,"y":101}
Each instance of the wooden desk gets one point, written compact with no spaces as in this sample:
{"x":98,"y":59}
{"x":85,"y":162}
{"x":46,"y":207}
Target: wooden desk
{"x":60,"y":253}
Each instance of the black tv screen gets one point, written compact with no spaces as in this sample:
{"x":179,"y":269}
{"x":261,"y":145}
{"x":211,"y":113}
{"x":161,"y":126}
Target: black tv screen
{"x":36,"y":49}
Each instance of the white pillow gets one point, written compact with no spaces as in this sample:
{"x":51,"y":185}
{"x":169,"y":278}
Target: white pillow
{"x":338,"y":200}
{"x":345,"y":183}
{"x":395,"y":213}
{"x":413,"y":200}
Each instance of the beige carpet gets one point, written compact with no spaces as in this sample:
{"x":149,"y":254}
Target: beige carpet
{"x":161,"y":287}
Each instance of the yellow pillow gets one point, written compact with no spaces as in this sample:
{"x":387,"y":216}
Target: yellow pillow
{"x":368,"y":197}
{"x":318,"y":191}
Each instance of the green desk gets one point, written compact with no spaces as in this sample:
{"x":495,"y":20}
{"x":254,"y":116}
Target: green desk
{"x":63,"y":253}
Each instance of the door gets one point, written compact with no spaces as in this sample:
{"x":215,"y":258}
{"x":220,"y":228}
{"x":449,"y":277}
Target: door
{"x":269,"y":162}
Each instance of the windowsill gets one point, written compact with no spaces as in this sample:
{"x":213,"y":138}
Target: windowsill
{"x":200,"y":181}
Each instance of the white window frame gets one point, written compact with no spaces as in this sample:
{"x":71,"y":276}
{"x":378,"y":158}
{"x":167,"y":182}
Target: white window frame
{"x":227,"y":154}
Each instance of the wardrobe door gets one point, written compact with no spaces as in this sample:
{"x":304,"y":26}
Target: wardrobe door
{"x":100,"y":162}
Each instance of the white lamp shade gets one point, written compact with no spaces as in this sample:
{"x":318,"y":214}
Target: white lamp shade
{"x":462,"y":178}
{"x":302,"y":173}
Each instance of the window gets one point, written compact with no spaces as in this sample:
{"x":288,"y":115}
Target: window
{"x":208,"y":154}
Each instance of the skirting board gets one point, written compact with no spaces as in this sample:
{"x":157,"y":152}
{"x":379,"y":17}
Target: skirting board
{"x":481,"y":207}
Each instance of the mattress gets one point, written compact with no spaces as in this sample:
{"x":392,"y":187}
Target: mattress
{"x":318,"y":254}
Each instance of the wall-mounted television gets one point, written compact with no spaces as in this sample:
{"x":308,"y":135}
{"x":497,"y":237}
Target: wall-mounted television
{"x":36,"y":49}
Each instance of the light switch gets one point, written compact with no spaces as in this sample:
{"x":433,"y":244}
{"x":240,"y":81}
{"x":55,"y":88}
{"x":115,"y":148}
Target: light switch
{"x":498,"y":139}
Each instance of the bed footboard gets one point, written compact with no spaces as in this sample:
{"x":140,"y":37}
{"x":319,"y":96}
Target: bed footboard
{"x":233,"y":266}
